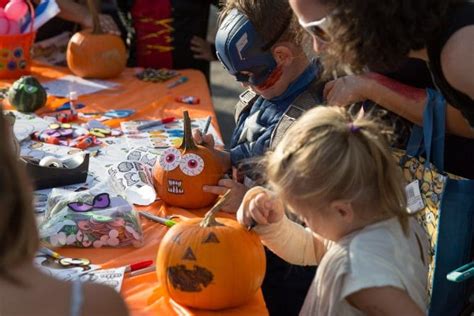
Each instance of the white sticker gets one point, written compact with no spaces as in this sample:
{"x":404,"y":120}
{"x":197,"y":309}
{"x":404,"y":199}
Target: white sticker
{"x":414,"y":199}
{"x":240,"y":45}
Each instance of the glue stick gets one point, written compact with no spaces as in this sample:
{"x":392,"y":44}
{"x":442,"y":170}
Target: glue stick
{"x":72,"y":101}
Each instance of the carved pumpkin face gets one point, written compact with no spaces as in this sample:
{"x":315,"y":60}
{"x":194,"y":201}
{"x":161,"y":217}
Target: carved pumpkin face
{"x":212,"y":267}
{"x":180,"y":173}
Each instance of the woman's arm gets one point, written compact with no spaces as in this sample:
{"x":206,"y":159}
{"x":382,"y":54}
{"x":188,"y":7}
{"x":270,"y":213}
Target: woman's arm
{"x":402,"y":99}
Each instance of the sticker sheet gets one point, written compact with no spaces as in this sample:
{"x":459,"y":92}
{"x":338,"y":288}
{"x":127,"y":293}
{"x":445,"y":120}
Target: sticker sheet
{"x":162,"y":136}
{"x":62,"y":86}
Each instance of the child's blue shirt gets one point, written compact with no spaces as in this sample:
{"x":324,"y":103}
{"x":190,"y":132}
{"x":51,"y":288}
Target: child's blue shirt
{"x":252,"y":134}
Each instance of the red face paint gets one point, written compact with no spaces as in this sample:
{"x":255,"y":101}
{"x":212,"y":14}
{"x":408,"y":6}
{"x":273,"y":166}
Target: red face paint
{"x":407,"y":91}
{"x":272,"y":79}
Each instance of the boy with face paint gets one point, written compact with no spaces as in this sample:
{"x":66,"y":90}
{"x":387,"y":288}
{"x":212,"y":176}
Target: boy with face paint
{"x":260,"y":44}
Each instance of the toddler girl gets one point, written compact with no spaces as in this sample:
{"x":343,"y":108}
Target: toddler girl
{"x":337,"y":174}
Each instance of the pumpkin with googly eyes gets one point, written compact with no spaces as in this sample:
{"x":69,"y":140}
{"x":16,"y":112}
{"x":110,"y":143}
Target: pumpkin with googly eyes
{"x":180,"y":173}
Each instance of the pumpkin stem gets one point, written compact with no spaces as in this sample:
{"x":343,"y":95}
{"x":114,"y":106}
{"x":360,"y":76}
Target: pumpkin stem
{"x":209,"y":219}
{"x":188,"y":142}
{"x":97,"y":29}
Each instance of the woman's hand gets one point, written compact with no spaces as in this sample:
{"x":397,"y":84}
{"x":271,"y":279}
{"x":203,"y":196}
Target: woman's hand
{"x":107,"y":24}
{"x":346,"y":90}
{"x":260,"y":206}
{"x":202,"y":49}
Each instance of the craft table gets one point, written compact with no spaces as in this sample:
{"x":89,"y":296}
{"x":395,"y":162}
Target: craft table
{"x":150,"y":101}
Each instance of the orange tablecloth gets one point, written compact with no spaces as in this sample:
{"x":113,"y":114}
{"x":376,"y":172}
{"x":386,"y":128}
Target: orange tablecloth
{"x":150,"y":100}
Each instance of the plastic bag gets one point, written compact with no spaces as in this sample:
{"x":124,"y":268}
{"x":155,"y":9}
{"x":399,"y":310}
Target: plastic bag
{"x":89,"y":219}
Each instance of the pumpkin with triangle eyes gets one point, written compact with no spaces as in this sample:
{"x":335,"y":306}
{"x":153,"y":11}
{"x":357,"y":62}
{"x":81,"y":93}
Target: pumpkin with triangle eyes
{"x":209,"y":264}
{"x":180,"y":173}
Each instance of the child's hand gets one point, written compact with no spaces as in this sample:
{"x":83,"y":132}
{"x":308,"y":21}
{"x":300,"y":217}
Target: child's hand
{"x":237,"y":192}
{"x":260,"y":206}
{"x":207,"y":141}
{"x":203,"y":140}
{"x":202,"y":49}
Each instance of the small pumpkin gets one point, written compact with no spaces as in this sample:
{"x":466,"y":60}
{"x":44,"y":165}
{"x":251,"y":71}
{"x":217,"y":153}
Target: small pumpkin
{"x":95,"y":54}
{"x":209,"y":264}
{"x":180,"y":173}
{"x":27,"y":94}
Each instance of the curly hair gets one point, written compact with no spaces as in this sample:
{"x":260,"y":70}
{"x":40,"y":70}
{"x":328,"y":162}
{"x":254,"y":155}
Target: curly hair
{"x":273,"y":19}
{"x":380,"y":34}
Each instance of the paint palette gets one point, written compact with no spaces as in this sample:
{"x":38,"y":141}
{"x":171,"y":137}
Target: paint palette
{"x":162,"y":136}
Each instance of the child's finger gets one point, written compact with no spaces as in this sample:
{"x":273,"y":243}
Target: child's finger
{"x":197,"y":136}
{"x":215,"y":189}
{"x":228,"y":183}
{"x":257,"y":212}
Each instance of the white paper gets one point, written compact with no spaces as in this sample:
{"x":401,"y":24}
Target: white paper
{"x":162,"y":136}
{"x":414,"y":198}
{"x":62,"y":86}
{"x":109,"y":277}
{"x":26,"y":124}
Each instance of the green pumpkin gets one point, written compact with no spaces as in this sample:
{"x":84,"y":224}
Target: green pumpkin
{"x":27,"y":94}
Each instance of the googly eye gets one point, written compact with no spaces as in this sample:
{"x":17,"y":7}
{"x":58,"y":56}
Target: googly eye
{"x":191,"y":164}
{"x":170,"y":158}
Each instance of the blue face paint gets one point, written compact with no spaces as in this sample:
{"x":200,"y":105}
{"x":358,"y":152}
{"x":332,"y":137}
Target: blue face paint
{"x":241,"y":49}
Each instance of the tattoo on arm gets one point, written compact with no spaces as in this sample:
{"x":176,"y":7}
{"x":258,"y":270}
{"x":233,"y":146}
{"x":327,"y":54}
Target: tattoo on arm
{"x":409,"y":92}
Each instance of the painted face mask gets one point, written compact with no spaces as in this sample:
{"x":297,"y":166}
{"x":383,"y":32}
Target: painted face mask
{"x":241,"y":50}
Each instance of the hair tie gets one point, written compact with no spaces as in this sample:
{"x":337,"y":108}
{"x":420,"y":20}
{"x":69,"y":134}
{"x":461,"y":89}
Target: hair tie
{"x":353,"y":128}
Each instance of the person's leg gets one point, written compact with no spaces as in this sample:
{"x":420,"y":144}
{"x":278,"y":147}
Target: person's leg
{"x":285,"y":285}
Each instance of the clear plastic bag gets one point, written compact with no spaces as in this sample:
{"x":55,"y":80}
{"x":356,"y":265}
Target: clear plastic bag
{"x":89,"y":219}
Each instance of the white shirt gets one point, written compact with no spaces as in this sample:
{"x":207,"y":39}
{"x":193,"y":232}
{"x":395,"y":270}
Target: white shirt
{"x":376,"y":256}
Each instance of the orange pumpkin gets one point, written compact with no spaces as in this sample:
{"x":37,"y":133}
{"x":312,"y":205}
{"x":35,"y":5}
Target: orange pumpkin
{"x":206,"y":264}
{"x":94,"y":54}
{"x":180,"y":173}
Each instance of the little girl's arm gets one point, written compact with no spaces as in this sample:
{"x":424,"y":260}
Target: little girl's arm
{"x":385,"y":300}
{"x":287,"y":239}
{"x":292,"y":242}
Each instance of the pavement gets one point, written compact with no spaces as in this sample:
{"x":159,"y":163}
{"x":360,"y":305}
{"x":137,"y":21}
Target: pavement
{"x":225,"y":90}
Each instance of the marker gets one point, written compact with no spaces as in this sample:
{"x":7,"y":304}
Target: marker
{"x":156,"y":123}
{"x":181,"y":80}
{"x":158,"y":219}
{"x":206,"y":127}
{"x":51,"y":253}
{"x":138,"y":266}
{"x":143,"y":271}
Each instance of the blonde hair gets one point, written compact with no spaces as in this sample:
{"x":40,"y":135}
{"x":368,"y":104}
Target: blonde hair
{"x":18,"y":232}
{"x":328,"y":155}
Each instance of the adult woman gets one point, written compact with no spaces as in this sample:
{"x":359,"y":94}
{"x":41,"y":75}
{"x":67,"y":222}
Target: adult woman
{"x":380,"y":34}
{"x":24,"y":290}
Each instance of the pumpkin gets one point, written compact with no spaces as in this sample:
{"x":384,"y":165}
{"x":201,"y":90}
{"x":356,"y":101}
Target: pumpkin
{"x":95,"y":54}
{"x":180,"y":173}
{"x":27,"y":94}
{"x":206,"y":264}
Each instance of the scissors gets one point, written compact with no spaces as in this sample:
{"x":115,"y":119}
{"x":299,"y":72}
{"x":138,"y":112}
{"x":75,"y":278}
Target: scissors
{"x":66,"y":262}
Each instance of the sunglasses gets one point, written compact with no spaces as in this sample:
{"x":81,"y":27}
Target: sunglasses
{"x":318,"y":29}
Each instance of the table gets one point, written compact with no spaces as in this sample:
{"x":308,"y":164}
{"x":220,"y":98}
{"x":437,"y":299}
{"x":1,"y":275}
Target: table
{"x":143,"y":293}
